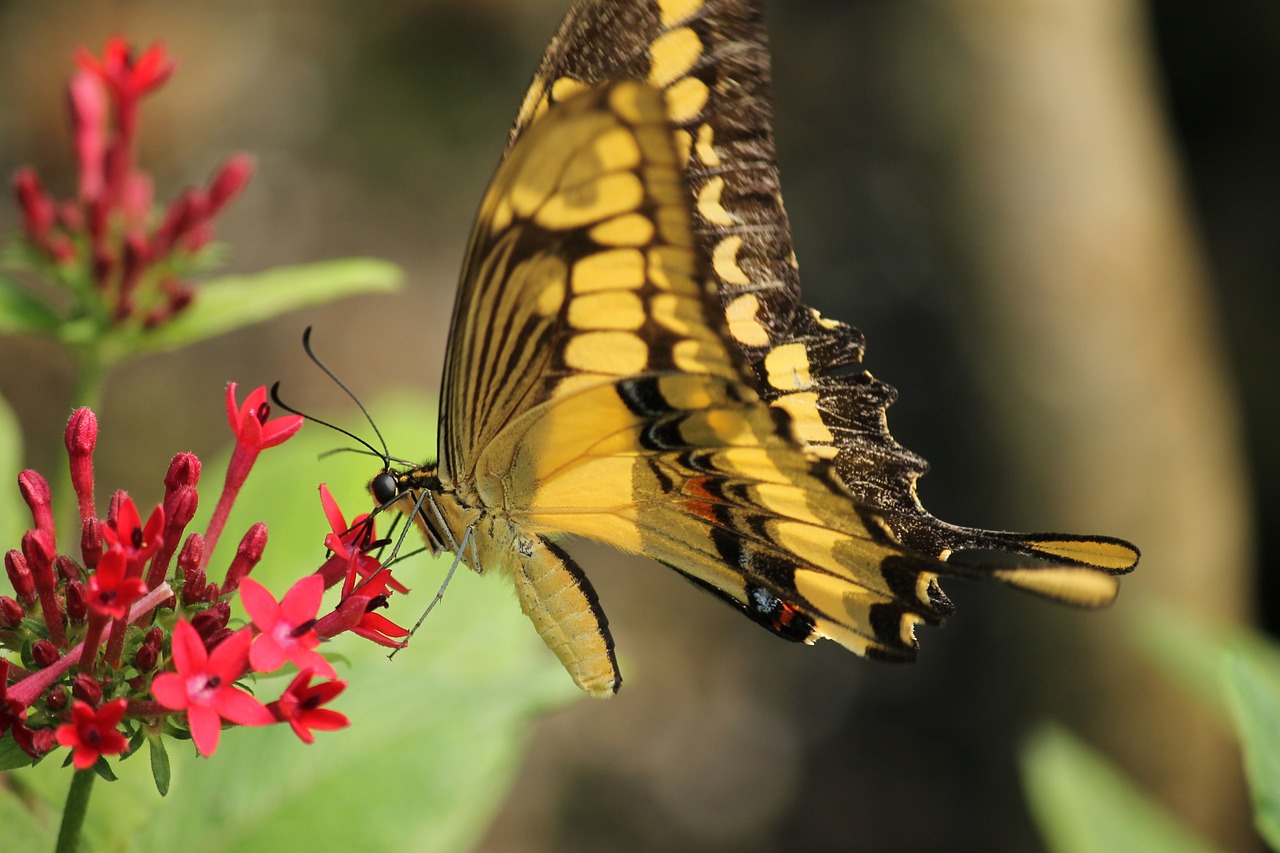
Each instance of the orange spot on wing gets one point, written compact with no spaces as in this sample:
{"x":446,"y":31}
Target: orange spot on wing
{"x":704,"y":503}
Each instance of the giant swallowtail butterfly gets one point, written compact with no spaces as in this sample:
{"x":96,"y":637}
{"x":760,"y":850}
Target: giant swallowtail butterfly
{"x":629,"y":362}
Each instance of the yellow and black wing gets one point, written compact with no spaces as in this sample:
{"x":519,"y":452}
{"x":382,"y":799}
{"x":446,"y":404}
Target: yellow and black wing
{"x":711,"y":59}
{"x":593,"y":387}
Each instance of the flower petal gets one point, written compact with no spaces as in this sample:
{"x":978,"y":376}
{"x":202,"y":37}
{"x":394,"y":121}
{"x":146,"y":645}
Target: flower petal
{"x":229,"y":658}
{"x":260,"y":604}
{"x":189,"y":654}
{"x":307,"y":659}
{"x":265,"y":655}
{"x":302,"y":602}
{"x":233,"y":410}
{"x":170,"y":690}
{"x":337,"y":523}
{"x":239,"y":707}
{"x":325,"y":720}
{"x":205,"y":726}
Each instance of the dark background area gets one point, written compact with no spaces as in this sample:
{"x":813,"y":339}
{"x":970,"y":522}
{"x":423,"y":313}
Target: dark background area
{"x":376,"y":127}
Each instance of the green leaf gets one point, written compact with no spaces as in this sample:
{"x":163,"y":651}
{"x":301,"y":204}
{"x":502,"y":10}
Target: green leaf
{"x":160,"y":771}
{"x":22,"y":313}
{"x":1083,"y":804}
{"x":1253,"y":688}
{"x":1189,"y":651}
{"x":11,"y":755}
{"x":103,"y":768}
{"x":233,"y":302}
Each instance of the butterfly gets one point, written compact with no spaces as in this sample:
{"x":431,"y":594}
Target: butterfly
{"x":629,"y":362}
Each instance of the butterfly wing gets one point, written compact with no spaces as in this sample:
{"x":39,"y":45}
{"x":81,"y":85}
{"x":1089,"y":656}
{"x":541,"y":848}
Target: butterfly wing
{"x":593,"y":388}
{"x":710,"y":58}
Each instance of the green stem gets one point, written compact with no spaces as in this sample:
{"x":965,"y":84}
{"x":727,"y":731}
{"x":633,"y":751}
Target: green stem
{"x":73,"y":813}
{"x":91,"y":374}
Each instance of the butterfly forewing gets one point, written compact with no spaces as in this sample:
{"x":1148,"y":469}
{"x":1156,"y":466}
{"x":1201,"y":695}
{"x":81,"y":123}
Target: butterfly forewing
{"x":711,"y":59}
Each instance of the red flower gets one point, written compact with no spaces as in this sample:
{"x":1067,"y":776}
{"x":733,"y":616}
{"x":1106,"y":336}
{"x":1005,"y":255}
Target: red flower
{"x":300,"y":706}
{"x":111,"y":591}
{"x":288,"y":628}
{"x":129,"y":77}
{"x":93,"y":733}
{"x":348,"y":544}
{"x":128,"y":535}
{"x":249,"y":422}
{"x":204,"y":685}
{"x":374,"y":626}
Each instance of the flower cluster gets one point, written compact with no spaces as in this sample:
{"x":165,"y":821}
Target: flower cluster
{"x":121,"y":259}
{"x":124,"y":634}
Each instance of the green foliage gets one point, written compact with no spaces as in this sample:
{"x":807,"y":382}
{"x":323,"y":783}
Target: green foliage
{"x":436,"y":736}
{"x":1083,"y":803}
{"x":1253,"y":684}
{"x":233,"y":302}
{"x":21,"y":313}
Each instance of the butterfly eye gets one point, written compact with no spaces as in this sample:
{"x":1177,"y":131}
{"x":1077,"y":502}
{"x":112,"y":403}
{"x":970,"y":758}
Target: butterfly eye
{"x":384,"y":488}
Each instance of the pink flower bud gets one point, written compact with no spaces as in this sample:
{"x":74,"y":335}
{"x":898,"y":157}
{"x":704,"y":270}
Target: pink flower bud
{"x":179,"y":508}
{"x":67,"y":568}
{"x":44,"y":653}
{"x":81,"y":438}
{"x":86,"y":688}
{"x":207,"y":621}
{"x":38,"y":210}
{"x":35,"y":491}
{"x":228,"y":181}
{"x":186,"y":212}
{"x":20,"y":577}
{"x":39,"y":554}
{"x":77,"y":602}
{"x":11,"y":612}
{"x":247,"y":556}
{"x":91,"y":542}
{"x":58,"y":700}
{"x":184,"y":470}
{"x":145,"y":658}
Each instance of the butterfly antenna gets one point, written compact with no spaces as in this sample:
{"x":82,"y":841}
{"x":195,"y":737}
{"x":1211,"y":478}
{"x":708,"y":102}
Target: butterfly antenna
{"x":373,"y":451}
{"x":315,"y":359}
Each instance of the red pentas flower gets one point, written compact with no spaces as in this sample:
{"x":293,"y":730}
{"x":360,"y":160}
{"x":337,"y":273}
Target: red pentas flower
{"x":93,"y":733}
{"x":252,"y":423}
{"x":287,"y":628}
{"x":125,"y":532}
{"x":349,"y":544}
{"x":110,"y":591}
{"x":159,"y":663}
{"x":203,"y":685}
{"x":139,"y":259}
{"x":255,"y":430}
{"x":299,"y":706}
{"x":128,"y":76}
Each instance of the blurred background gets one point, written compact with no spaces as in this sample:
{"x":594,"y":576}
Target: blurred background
{"x":1054,"y":221}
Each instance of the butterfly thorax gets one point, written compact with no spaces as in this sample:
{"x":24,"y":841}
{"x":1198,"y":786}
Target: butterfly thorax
{"x":441,"y":512}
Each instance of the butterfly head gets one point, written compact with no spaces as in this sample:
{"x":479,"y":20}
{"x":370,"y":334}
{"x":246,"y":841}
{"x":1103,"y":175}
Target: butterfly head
{"x":414,"y":492}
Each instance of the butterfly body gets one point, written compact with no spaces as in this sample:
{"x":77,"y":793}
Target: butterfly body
{"x":629,"y":362}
